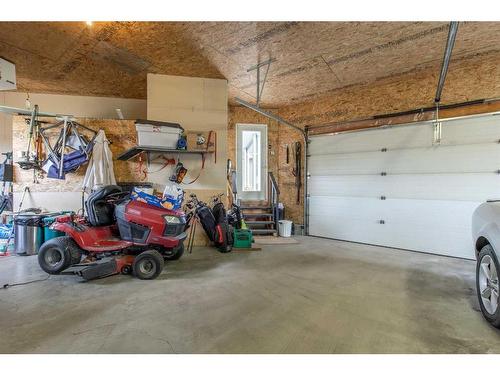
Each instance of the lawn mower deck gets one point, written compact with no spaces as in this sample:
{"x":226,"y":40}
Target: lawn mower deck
{"x":102,"y":268}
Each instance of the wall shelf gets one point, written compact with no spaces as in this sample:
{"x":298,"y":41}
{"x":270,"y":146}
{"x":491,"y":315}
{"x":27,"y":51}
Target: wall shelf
{"x":136,"y":150}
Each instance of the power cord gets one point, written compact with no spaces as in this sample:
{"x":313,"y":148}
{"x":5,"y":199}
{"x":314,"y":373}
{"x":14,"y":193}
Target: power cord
{"x":6,"y":286}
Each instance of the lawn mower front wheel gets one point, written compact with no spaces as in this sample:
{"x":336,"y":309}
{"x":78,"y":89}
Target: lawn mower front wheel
{"x":148,"y":265}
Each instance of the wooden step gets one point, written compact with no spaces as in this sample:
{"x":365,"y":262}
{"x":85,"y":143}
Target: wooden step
{"x":255,"y":207}
{"x":263,"y":231}
{"x":259,"y":222}
{"x":256,"y":215}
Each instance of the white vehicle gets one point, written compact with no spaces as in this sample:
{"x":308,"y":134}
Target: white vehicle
{"x":486,"y":236}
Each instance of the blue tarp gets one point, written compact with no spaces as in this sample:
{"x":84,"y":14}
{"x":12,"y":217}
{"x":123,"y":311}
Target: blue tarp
{"x":5,"y":230}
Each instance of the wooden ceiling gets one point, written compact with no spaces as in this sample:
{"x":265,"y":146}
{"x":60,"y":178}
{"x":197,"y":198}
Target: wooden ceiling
{"x":113,"y":58}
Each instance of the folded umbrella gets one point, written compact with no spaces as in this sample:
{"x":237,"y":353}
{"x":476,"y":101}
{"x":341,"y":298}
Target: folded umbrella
{"x":100,"y":168}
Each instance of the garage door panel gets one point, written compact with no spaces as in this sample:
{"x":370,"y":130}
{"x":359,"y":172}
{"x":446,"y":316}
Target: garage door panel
{"x":372,"y":140}
{"x":350,"y":219}
{"x":346,"y":207}
{"x":480,"y":158}
{"x":460,"y":187}
{"x":441,"y":227}
{"x":454,"y":132}
{"x":471,"y":131}
{"x":439,"y":240}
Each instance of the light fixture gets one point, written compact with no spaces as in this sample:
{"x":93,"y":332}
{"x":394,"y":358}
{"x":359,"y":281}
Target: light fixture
{"x":89,"y":23}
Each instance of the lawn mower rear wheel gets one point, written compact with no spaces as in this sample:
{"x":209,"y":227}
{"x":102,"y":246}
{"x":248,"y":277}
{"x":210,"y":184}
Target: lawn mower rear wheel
{"x":57,"y":254}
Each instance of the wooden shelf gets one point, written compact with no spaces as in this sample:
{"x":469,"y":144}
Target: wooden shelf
{"x":136,"y":150}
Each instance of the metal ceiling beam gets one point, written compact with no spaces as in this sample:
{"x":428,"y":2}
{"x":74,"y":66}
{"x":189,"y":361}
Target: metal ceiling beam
{"x":257,"y":67}
{"x":452,"y":33}
{"x":270,"y":115}
{"x":28,"y":112}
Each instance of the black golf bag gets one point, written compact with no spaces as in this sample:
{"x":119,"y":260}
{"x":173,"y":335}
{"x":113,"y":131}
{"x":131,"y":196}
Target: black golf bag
{"x":234,"y":216}
{"x":207,"y":221}
{"x":224,"y":232}
{"x":214,"y":222}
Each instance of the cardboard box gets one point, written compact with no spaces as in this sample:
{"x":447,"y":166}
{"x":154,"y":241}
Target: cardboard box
{"x":166,"y":202}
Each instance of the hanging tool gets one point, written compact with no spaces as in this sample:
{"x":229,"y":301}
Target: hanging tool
{"x":297,"y":171}
{"x":287,"y":154}
{"x":27,"y":161}
{"x":210,"y":143}
{"x":179,"y":173}
{"x":199,"y":174}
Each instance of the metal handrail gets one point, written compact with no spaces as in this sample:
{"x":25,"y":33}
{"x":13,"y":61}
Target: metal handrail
{"x":274,"y":184}
{"x":274,"y":197}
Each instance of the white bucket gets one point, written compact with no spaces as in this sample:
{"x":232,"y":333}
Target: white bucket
{"x":285,"y":228}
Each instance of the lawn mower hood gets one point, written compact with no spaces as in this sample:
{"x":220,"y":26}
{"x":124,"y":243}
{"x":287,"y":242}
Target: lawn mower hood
{"x":143,"y":223}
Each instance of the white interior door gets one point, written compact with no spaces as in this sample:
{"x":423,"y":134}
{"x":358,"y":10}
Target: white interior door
{"x":393,"y":187}
{"x":251,"y":161}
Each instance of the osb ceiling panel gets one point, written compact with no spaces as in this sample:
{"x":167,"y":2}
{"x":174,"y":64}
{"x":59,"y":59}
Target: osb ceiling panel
{"x":113,"y":58}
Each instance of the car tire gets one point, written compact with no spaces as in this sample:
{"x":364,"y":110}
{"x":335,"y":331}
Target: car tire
{"x":148,"y":265}
{"x":57,"y":254}
{"x":176,"y":253}
{"x":487,"y":285}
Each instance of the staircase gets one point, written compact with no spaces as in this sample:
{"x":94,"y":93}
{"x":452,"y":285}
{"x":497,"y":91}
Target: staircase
{"x":262,"y":217}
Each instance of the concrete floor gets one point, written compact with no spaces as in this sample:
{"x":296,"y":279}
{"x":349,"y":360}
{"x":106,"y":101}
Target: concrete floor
{"x":318,"y":296}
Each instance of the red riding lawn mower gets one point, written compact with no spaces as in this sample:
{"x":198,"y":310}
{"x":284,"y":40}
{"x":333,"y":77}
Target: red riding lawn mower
{"x":118,"y":235}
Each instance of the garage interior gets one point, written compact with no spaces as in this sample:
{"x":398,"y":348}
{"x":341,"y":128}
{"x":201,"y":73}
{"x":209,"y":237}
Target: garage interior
{"x":377,"y":140}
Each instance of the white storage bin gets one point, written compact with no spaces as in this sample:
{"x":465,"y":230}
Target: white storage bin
{"x":285,"y":228}
{"x":157,"y":133}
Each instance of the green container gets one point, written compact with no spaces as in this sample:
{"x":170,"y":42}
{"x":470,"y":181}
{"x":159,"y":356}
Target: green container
{"x":50,"y":233}
{"x":242,"y":238}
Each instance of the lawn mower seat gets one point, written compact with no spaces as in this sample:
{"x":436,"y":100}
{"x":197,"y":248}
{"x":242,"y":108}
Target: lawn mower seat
{"x":100,"y":212}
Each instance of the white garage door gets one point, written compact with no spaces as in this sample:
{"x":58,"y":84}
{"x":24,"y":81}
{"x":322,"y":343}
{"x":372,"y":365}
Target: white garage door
{"x":392,"y":187}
